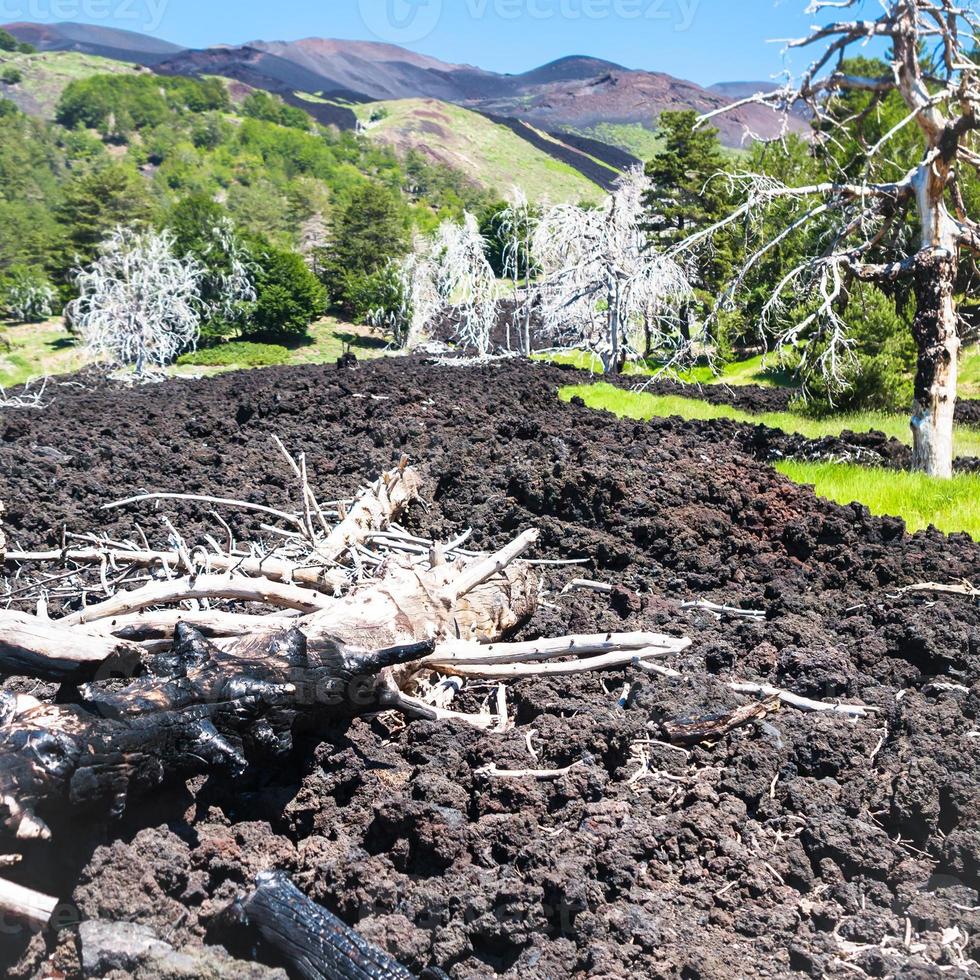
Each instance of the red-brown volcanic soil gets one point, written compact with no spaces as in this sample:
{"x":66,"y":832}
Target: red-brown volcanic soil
{"x":782,"y":850}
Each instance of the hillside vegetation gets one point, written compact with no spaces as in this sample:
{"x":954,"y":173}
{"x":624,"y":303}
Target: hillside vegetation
{"x":489,"y":153}
{"x":44,"y":76}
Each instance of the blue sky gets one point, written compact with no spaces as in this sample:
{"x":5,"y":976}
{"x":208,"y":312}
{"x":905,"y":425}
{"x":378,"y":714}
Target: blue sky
{"x":702,"y":40}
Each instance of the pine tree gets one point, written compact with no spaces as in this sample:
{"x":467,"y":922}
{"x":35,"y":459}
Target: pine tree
{"x":687,"y":195}
{"x":94,"y":203}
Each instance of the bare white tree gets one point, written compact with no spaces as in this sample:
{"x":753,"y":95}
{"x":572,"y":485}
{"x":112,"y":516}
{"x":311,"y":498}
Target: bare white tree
{"x":138,"y":303}
{"x":466,"y":282}
{"x":414,"y":302}
{"x":446,"y":274}
{"x":517,"y":224}
{"x":603,"y":256}
{"x":869,"y":214}
{"x":233,"y":284}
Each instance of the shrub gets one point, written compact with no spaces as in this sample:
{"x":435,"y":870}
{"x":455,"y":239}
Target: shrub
{"x":289,"y":296}
{"x":367,"y":292}
{"x":9,"y":43}
{"x":11,"y":75}
{"x":119,"y":104}
{"x":270,"y":108}
{"x":881,"y":372}
{"x":202,"y":229}
{"x":27,"y":295}
{"x":238,"y":352}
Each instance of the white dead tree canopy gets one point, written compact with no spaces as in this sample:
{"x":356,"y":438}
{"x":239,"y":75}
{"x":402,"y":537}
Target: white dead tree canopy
{"x":414,"y":302}
{"x":233,"y":282}
{"x":446,"y":274}
{"x":603,"y":255}
{"x":517,"y":224}
{"x":466,"y":282}
{"x":942,"y":103}
{"x":138,"y":303}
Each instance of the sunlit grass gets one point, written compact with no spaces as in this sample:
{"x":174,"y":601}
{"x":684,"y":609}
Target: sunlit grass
{"x":950,"y":505}
{"x":33,"y":350}
{"x":642,"y":405}
{"x":761,"y":370}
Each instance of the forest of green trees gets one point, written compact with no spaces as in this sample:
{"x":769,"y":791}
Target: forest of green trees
{"x":314,"y":213}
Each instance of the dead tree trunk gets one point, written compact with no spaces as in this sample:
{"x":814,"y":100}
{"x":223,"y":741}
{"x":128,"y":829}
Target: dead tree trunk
{"x":935,"y":326}
{"x":937,"y":367}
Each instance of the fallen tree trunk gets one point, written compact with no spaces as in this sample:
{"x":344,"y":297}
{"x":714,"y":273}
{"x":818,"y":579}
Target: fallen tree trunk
{"x":196,"y":709}
{"x":26,"y":905}
{"x":202,"y":704}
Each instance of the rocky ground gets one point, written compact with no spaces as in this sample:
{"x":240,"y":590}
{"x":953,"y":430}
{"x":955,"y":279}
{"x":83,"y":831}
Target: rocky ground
{"x":803,"y":845}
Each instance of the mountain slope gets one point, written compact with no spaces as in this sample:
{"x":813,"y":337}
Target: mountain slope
{"x":490,"y":152}
{"x":106,"y":42}
{"x":46,"y":75}
{"x":577,"y":92}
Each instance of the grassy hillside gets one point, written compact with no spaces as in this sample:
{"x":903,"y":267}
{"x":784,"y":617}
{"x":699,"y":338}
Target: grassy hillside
{"x":632,"y":137}
{"x":47,"y":74}
{"x":489,"y":153}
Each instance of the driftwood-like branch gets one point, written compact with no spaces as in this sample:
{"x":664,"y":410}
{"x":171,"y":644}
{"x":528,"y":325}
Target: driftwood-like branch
{"x":207,"y":705}
{"x":34,"y":647}
{"x":201,"y":587}
{"x":706,"y":729}
{"x":541,"y":775}
{"x":804,"y":704}
{"x":328,"y":580}
{"x":962,"y":588}
{"x":374,"y":511}
{"x":26,"y":905}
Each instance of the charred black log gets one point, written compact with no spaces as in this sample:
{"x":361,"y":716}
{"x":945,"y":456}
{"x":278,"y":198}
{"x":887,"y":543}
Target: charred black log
{"x":316,"y":944}
{"x":197,"y":708}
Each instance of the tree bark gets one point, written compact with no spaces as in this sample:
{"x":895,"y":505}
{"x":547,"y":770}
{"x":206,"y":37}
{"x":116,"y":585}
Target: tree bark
{"x":936,"y":372}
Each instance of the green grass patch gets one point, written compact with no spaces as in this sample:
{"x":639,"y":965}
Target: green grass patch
{"x":644,"y":406}
{"x":950,"y":505}
{"x":764,"y":369}
{"x":239,"y":353}
{"x":34,"y":350}
{"x":38,"y":349}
